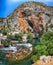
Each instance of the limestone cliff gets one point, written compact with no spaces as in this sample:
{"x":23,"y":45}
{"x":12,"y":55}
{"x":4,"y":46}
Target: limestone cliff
{"x":30,"y":16}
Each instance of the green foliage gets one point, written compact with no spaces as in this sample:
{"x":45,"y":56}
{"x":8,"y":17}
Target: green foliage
{"x":18,"y":37}
{"x":5,"y":43}
{"x":45,"y":46}
{"x":41,"y":49}
{"x":50,"y":48}
{"x":29,"y":35}
{"x":47,"y":38}
{"x":30,"y":38}
{"x":0,"y":30}
{"x":10,"y":36}
{"x":35,"y":57}
{"x":4,"y":31}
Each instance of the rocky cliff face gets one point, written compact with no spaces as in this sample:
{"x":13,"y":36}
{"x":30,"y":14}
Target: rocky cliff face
{"x":45,"y":61}
{"x":31,"y":16}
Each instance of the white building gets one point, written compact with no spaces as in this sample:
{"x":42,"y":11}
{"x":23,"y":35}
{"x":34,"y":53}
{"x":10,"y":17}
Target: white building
{"x":0,"y":37}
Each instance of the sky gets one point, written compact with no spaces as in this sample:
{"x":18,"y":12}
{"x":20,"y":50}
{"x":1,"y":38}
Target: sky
{"x":8,"y":6}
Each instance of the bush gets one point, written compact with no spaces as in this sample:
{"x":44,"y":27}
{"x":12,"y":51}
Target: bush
{"x":10,"y":36}
{"x":30,"y":38}
{"x":41,"y":49}
{"x":4,"y":31}
{"x":35,"y":57}
{"x":5,"y":43}
{"x":19,"y":36}
{"x":47,"y":38}
{"x":50,"y":48}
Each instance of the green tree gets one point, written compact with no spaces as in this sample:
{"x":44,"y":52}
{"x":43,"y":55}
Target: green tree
{"x":30,"y":38}
{"x":45,"y":46}
{"x":46,"y":38}
{"x":50,"y":48}
{"x":35,"y":57}
{"x":41,"y":49}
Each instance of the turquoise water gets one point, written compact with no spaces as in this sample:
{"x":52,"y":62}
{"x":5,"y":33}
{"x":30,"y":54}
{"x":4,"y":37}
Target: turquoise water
{"x":36,"y":41}
{"x":2,"y":63}
{"x":24,"y":62}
